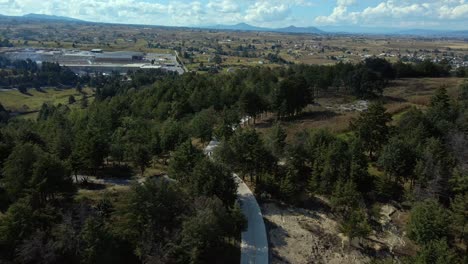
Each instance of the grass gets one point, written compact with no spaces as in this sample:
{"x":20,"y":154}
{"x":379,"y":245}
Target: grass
{"x":112,"y":192}
{"x":33,"y":100}
{"x":374,"y":171}
{"x":399,"y":97}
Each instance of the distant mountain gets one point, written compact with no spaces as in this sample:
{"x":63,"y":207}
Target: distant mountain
{"x":247,"y":27}
{"x":420,"y":32}
{"x":50,"y":17}
{"x":237,"y":27}
{"x":293,"y":29}
{"x":433,"y":33}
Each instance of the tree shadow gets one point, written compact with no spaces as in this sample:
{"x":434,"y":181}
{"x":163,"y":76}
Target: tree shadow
{"x":40,"y":90}
{"x":316,"y":205}
{"x":312,"y":115}
{"x":304,"y":116}
{"x":393,"y":99}
{"x":88,"y":185}
{"x":115,"y":171}
{"x":25,"y":92}
{"x":280,"y":234}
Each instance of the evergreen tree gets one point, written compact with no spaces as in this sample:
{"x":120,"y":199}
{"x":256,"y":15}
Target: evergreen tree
{"x":459,"y":213}
{"x":371,"y":127}
{"x":275,"y":140}
{"x":436,"y":252}
{"x":428,"y":222}
{"x":398,"y":159}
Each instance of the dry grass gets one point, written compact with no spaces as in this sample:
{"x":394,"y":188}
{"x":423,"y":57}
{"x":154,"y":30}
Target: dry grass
{"x":399,"y":97}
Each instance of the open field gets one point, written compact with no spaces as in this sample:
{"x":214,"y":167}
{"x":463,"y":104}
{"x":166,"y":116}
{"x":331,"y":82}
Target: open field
{"x":399,"y":97}
{"x":17,"y":102}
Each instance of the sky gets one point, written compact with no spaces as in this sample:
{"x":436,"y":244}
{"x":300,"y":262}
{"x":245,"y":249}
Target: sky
{"x":404,"y":14}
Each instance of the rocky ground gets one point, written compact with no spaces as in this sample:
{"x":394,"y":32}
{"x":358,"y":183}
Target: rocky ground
{"x":312,"y":236}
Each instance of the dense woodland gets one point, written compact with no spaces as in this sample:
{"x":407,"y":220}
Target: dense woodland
{"x":155,"y":116}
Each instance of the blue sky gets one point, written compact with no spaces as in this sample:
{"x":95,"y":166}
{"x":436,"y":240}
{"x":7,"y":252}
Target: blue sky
{"x":429,"y":14}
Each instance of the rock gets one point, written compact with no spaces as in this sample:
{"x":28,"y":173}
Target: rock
{"x":386,"y":212}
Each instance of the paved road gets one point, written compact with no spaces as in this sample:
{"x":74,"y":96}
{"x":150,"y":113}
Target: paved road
{"x":254,"y":245}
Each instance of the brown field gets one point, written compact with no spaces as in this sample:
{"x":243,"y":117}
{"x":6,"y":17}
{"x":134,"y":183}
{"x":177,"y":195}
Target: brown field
{"x":399,"y":97}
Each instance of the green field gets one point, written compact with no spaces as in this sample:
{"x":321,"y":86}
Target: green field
{"x":15,"y":101}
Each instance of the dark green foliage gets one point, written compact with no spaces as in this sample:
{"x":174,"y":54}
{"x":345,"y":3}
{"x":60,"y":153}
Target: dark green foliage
{"x":287,"y":188}
{"x":387,"y":189}
{"x":330,"y":161}
{"x":183,"y":160}
{"x":459,"y":216}
{"x":355,"y":225}
{"x":203,"y":232}
{"x":365,"y":83}
{"x":434,"y":170}
{"x":151,"y":213}
{"x":371,"y":128}
{"x":359,"y":167}
{"x":436,"y":252}
{"x":275,"y":140}
{"x":428,"y":222}
{"x":210,"y":179}
{"x":71,"y":99}
{"x":441,"y":112}
{"x":398,"y":159}
{"x":141,"y":157}
{"x":18,"y":169}
{"x":250,"y":104}
{"x":17,"y":223}
{"x":246,"y":154}
{"x":203,"y":123}
{"x":4,"y":115}
{"x":291,"y":96}
{"x":50,"y":177}
{"x":345,"y":198}
{"x":172,"y":134}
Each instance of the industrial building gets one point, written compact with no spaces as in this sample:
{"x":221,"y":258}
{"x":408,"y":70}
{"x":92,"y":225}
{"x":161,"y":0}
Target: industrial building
{"x":97,"y":60}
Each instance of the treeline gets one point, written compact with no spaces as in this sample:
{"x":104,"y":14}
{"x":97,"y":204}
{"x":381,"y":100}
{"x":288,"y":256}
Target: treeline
{"x":461,"y":72}
{"x":5,"y":43}
{"x":28,"y":74}
{"x":366,"y":79}
{"x":191,"y":220}
{"x":423,"y":159}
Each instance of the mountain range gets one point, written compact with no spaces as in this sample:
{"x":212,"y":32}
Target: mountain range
{"x":247,"y":27}
{"x":291,"y":29}
{"x":50,"y":17}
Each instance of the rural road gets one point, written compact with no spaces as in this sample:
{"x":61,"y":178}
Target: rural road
{"x":254,"y":245}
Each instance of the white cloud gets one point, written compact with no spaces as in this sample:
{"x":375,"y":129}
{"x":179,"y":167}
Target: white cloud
{"x":171,"y":12}
{"x":392,"y":13}
{"x":267,"y":12}
{"x":224,"y":6}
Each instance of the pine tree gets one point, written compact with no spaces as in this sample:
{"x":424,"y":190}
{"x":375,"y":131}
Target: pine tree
{"x":371,"y":127}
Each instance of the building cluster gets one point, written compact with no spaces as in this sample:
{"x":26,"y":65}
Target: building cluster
{"x":97,"y":60}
